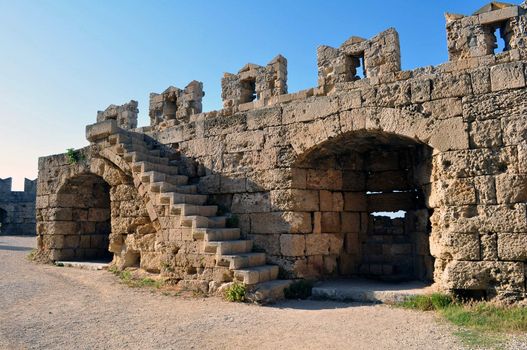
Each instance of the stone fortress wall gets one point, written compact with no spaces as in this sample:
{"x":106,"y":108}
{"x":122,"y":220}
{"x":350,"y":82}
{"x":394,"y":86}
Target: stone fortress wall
{"x":17,"y":208}
{"x":389,"y":174}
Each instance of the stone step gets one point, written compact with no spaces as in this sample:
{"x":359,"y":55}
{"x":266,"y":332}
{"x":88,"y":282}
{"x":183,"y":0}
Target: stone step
{"x":228,"y":247}
{"x":240,"y":261}
{"x":162,"y":187}
{"x":190,"y":209}
{"x":135,"y":157}
{"x":369,"y":290}
{"x":170,"y":198}
{"x":256,"y":274}
{"x":187,"y":189}
{"x":197,"y":221}
{"x":269,"y":292}
{"x":141,"y":148}
{"x":126,"y":138}
{"x":216,"y":234}
{"x":156,"y":176}
{"x":142,"y":167}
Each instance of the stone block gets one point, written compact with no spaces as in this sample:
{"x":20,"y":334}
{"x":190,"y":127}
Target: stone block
{"x":498,"y":15}
{"x":420,"y":90}
{"x":484,"y":275}
{"x":60,"y":214}
{"x":310,"y":109}
{"x":480,"y":80}
{"x":331,"y":201}
{"x":257,"y":202}
{"x":489,"y":246}
{"x":353,"y":181}
{"x":270,"y":243}
{"x":329,"y":222}
{"x":72,"y":241}
{"x":336,"y":243}
{"x":294,"y":200}
{"x":514,"y":130}
{"x":511,"y":188}
{"x":454,"y":192}
{"x":42,"y":202}
{"x":450,"y":134}
{"x":245,"y":141}
{"x":317,"y":244}
{"x":280,"y":222}
{"x":98,"y":214}
{"x":507,"y":76}
{"x":350,"y":222}
{"x":485,"y":134}
{"x":512,"y":246}
{"x":355,"y":201}
{"x":451,"y":85}
{"x":459,"y":246}
{"x":330,"y":179}
{"x":292,"y":245}
{"x":232,"y":184}
{"x":263,"y":118}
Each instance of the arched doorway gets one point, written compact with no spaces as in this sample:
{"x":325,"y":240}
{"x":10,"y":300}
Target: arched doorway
{"x":372,"y":207}
{"x":3,"y":221}
{"x":82,"y":217}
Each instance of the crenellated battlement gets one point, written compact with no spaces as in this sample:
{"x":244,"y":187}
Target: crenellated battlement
{"x":6,"y":192}
{"x":358,"y":64}
{"x":477,"y":35}
{"x":175,"y":106}
{"x":125,"y":115}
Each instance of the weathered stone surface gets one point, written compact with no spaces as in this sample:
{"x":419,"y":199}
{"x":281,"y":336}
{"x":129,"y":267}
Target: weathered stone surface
{"x":292,"y":245}
{"x":390,"y":174}
{"x":512,"y":246}
{"x":507,"y":76}
{"x":511,"y":188}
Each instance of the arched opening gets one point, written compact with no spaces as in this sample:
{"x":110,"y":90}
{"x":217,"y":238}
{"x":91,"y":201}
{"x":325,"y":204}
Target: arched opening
{"x":3,"y":221}
{"x":373,"y":221}
{"x":82,"y":218}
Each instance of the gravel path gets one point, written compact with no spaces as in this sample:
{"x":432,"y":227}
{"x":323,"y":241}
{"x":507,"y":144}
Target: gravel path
{"x":47,"y":307}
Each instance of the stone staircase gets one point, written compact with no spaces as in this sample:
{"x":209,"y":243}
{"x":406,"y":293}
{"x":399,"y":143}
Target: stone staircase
{"x":171,"y":192}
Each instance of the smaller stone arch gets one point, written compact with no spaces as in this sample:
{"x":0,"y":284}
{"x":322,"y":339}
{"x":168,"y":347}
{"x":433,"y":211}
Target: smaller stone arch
{"x":81,"y":219}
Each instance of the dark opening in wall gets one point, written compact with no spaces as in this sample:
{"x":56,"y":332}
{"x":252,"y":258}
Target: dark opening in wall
{"x":372,"y":198}
{"x":248,"y":93}
{"x":500,"y":43}
{"x":356,"y":69}
{"x":83,"y":219}
{"x":3,"y":217}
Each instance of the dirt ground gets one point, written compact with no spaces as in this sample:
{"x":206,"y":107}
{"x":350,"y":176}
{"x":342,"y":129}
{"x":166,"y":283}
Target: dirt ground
{"x":47,"y":307}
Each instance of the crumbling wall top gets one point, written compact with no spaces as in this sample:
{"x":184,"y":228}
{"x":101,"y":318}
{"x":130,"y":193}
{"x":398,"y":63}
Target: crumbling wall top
{"x":125,"y":115}
{"x":255,"y":83}
{"x":174,"y":105}
{"x":477,"y":35}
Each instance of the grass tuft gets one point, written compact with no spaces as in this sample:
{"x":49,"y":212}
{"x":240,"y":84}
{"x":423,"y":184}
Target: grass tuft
{"x":127,"y":278}
{"x":482,"y":324}
{"x":429,"y":302}
{"x":236,"y":292}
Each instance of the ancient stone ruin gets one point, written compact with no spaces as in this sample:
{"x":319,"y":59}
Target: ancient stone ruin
{"x":17,"y":208}
{"x":376,"y":172}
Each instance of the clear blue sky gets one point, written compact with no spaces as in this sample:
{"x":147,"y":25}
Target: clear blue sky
{"x":62,"y":60}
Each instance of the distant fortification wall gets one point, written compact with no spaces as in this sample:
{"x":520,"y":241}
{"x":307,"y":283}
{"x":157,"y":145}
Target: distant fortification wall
{"x":17,"y":208}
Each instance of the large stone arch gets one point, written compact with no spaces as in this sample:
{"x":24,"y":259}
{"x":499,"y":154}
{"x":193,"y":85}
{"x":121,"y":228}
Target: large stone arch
{"x":441,"y":135}
{"x":367,"y":193}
